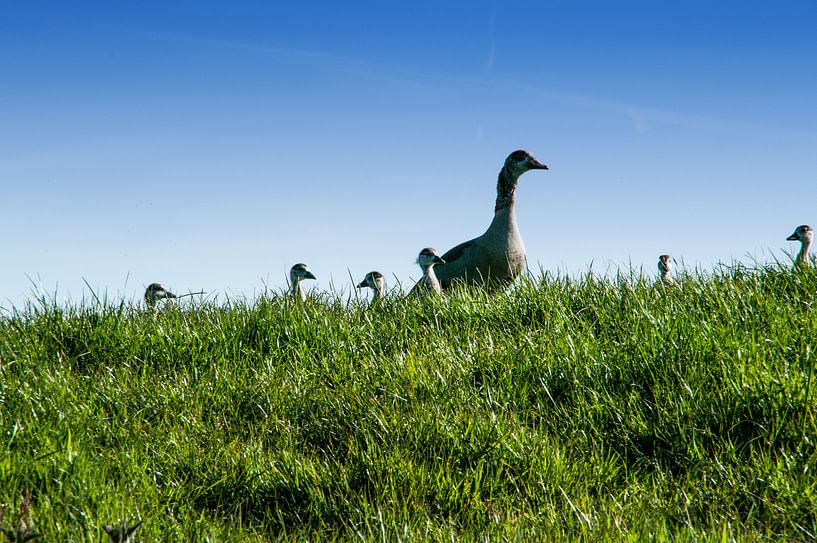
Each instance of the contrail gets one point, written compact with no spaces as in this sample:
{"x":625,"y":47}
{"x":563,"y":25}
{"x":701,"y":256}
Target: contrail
{"x":642,"y":118}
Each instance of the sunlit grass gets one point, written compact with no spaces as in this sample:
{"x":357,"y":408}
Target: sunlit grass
{"x":563,"y":409}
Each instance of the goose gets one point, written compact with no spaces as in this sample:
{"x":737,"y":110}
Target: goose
{"x":375,"y":281}
{"x":805,"y":235}
{"x":156,"y":292}
{"x":496,"y":257}
{"x":428,"y":283}
{"x":665,"y":268}
{"x":298,"y":273}
{"x":121,"y":533}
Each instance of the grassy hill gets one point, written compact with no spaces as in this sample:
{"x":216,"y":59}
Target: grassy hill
{"x":563,"y":409}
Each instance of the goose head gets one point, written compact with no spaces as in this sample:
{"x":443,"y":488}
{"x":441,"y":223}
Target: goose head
{"x":521,"y":161}
{"x":299,"y":272}
{"x":373,"y":279}
{"x":803,"y":233}
{"x":428,"y":257}
{"x":155,"y":292}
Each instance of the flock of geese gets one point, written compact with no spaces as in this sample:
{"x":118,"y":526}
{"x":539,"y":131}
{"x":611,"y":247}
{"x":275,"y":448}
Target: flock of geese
{"x":492,"y":260}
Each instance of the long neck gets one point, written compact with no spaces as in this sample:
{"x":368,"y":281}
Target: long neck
{"x":296,"y":290}
{"x":666,"y":276}
{"x":505,"y":188}
{"x":378,"y":291}
{"x":802,"y":256}
{"x":430,"y":279}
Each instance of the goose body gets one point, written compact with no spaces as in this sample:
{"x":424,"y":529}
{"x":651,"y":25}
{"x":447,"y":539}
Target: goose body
{"x":665,"y":268}
{"x":428,"y":283}
{"x":498,"y":256}
{"x":805,"y":235}
{"x":156,"y":292}
{"x":298,"y":273}
{"x":375,"y":281}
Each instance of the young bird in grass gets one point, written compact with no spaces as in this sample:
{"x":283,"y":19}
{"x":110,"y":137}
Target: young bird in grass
{"x":21,"y":533}
{"x":121,"y":533}
{"x":665,"y":268}
{"x":805,"y":235}
{"x":156,"y":292}
{"x":298,"y":273}
{"x":375,"y":281}
{"x":428,"y":283}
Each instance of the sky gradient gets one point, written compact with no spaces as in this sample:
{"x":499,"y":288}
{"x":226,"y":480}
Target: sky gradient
{"x":211,"y":145}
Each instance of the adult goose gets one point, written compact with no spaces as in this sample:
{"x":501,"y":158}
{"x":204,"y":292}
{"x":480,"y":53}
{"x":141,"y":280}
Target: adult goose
{"x":805,"y":235}
{"x":497,"y":257}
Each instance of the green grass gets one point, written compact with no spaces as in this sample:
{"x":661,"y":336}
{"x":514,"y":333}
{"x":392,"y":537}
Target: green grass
{"x":565,"y":409}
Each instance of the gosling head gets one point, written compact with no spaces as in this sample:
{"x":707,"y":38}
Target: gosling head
{"x":375,"y":281}
{"x":803,"y":233}
{"x":428,"y":257}
{"x":521,"y":161}
{"x":299,"y":272}
{"x":156,"y":292}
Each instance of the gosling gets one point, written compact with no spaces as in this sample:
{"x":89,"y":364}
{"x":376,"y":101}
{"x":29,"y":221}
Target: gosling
{"x":375,"y":281}
{"x":805,"y":235}
{"x":428,"y":283}
{"x":298,"y":273}
{"x":665,"y":269}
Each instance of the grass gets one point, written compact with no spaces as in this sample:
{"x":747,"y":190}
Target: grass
{"x":564,"y":409}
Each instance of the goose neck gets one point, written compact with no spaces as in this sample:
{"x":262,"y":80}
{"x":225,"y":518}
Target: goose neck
{"x":802,"y":256}
{"x":505,"y":189}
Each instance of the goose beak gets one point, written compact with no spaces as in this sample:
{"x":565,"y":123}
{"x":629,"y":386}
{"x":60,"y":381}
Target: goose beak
{"x":793,"y":237}
{"x":310,"y":275}
{"x":438,"y":260}
{"x":362,"y":284}
{"x":534,"y":164}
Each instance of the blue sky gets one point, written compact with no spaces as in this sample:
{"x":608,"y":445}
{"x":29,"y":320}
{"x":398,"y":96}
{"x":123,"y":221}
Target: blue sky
{"x":211,"y":145}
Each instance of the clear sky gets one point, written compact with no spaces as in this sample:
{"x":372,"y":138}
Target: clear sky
{"x":211,"y":145}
